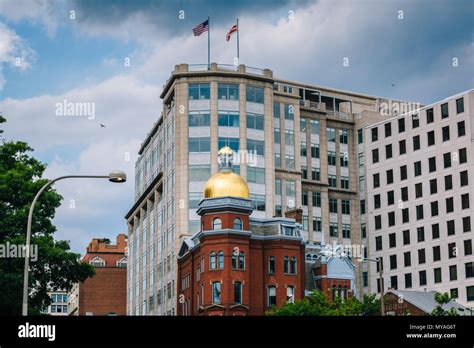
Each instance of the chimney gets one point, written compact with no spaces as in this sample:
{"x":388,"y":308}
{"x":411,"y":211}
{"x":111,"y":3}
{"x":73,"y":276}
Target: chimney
{"x":296,"y":214}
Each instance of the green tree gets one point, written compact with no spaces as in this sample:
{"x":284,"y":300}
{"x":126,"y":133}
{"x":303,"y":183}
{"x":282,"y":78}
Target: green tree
{"x":442,"y":299}
{"x":370,"y":305}
{"x":318,"y":304}
{"x":56,"y":267}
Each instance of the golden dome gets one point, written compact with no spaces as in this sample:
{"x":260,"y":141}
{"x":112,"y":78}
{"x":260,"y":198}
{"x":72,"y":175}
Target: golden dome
{"x":224,"y":184}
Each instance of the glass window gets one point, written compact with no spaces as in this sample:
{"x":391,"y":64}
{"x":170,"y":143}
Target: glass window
{"x":199,"y":172}
{"x":314,"y":127}
{"x":271,"y":265}
{"x":290,"y":294}
{"x":254,"y":94}
{"x":212,"y":260}
{"x":343,"y":136}
{"x":200,"y":144}
{"x":255,"y":121}
{"x":444,"y":110}
{"x":242,"y":260}
{"x":272,"y":296}
{"x":199,"y":91}
{"x":276,"y":114}
{"x":290,"y":162}
{"x":331,"y":134}
{"x":293,"y":265}
{"x":220,"y":260}
{"x":256,"y":146}
{"x":256,"y":175}
{"x":289,"y":137}
{"x":228,"y":92}
{"x":416,"y":142}
{"x":237,"y":292}
{"x":228,"y":119}
{"x":238,"y":224}
{"x":388,"y":129}
{"x":258,"y":202}
{"x":216,"y":224}
{"x":199,"y":119}
{"x":216,"y":292}
{"x":286,"y":265}
{"x":461,"y":129}
{"x":375,"y":134}
{"x":459,"y":105}
{"x":302,"y":124}
{"x":289,"y":112}
{"x":233,"y":143}
{"x":401,"y":125}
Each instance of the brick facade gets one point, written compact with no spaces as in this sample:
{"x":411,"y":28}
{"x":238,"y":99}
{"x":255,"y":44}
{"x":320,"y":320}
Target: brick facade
{"x":105,"y":292}
{"x":195,"y":273}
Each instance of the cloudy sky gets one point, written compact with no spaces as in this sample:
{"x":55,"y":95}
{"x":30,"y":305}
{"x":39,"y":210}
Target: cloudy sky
{"x":53,"y":51}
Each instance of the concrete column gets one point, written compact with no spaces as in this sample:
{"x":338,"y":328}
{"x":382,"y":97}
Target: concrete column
{"x":214,"y":126}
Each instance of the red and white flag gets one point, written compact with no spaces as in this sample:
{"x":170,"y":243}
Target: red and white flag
{"x":232,"y":30}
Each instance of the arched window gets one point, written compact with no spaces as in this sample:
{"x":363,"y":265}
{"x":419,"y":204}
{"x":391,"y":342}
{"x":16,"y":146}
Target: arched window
{"x":242,"y":260}
{"x":334,"y":292}
{"x":97,"y":262}
{"x":212,"y":260}
{"x":308,"y":257}
{"x":216,"y":224}
{"x":271,"y":265}
{"x":286,"y":264}
{"x":290,"y":294}
{"x":293,"y":265}
{"x":122,"y":262}
{"x":235,"y":257}
{"x":271,"y":296}
{"x":237,"y":224}
{"x":220,"y":260}
{"x":315,"y":257}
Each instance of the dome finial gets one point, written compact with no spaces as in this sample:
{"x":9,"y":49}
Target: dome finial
{"x":225,"y":158}
{"x":226,"y":183}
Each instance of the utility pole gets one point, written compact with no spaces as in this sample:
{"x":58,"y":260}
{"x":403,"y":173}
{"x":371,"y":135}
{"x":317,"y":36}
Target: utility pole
{"x":382,"y":302}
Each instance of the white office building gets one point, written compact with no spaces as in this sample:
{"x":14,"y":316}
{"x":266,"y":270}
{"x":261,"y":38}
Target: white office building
{"x":420,"y":189}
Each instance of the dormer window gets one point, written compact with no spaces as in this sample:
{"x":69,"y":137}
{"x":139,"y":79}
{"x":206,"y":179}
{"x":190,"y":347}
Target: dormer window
{"x":288,"y":231}
{"x":122,"y":262}
{"x":97,"y":262}
{"x":217,"y":224}
{"x":237,"y":224}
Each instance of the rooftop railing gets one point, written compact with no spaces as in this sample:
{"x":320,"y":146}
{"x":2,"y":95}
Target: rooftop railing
{"x":223,"y":67}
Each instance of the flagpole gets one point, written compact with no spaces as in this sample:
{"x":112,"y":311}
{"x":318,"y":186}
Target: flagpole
{"x":208,"y":44}
{"x":238,"y":29}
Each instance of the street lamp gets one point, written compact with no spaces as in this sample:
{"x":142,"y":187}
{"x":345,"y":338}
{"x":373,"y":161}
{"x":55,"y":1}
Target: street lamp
{"x":116,"y":176}
{"x":378,"y":260}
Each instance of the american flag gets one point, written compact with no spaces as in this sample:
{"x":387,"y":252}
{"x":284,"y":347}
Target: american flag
{"x":231,"y":31}
{"x":201,"y":28}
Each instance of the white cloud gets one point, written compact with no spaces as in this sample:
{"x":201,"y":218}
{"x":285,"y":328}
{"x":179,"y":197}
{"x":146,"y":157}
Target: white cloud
{"x":44,"y":12}
{"x":309,"y":47}
{"x":13,"y":51}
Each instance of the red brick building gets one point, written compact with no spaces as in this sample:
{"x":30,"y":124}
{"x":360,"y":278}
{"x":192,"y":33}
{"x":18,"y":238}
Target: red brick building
{"x":237,"y":265}
{"x":104,"y":293}
{"x":334,"y":276}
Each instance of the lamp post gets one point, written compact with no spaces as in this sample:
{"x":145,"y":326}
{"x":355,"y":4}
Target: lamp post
{"x":115,"y":176}
{"x":378,"y":260}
